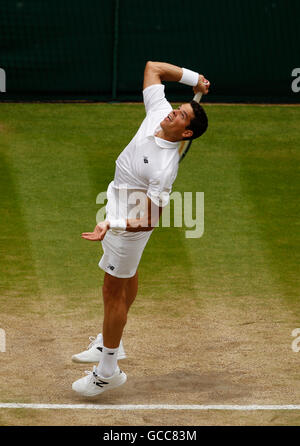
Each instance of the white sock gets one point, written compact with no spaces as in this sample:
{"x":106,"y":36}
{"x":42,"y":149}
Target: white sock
{"x":100,"y":340}
{"x":108,"y":362}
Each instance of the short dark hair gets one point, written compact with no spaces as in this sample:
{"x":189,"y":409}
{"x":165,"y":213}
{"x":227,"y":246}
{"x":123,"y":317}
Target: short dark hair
{"x":199,"y":123}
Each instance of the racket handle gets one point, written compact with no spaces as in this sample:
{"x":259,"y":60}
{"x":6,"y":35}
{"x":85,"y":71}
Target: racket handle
{"x":198,"y":96}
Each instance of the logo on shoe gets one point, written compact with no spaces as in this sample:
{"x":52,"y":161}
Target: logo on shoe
{"x":146,"y":161}
{"x":100,"y":383}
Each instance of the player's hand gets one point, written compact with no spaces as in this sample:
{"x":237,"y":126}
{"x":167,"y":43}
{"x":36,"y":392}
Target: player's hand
{"x":98,"y":233}
{"x":202,"y":86}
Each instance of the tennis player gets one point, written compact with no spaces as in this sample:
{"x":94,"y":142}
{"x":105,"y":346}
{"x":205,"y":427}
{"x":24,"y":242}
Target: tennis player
{"x":146,"y":169}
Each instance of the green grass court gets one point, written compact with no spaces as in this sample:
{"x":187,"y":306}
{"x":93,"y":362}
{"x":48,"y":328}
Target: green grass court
{"x":56,"y":158}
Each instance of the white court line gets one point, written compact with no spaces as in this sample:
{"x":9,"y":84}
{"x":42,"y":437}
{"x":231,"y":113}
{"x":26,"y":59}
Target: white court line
{"x":148,"y":406}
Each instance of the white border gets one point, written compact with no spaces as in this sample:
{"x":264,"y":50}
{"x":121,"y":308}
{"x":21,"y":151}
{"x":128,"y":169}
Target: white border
{"x":149,"y":406}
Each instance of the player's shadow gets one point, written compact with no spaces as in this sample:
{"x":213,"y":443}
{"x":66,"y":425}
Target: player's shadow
{"x":179,"y":387}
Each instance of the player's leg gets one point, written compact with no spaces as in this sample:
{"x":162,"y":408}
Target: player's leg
{"x":118,"y":296}
{"x":131,"y":290}
{"x":92,"y":354}
{"x":115,"y":310}
{"x":121,"y":256}
{"x":107,"y":374}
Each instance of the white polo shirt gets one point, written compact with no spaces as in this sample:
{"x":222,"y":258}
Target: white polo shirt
{"x":150,"y":163}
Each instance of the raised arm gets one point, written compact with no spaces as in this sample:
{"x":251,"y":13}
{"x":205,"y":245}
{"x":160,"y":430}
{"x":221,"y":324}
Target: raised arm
{"x":156,"y":72}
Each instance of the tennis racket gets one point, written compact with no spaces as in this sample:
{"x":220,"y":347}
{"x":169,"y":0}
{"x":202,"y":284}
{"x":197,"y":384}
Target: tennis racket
{"x":185,"y":145}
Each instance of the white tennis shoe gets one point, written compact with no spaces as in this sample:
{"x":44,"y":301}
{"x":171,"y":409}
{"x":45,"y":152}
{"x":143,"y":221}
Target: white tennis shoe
{"x":93,"y":385}
{"x":93,"y":352}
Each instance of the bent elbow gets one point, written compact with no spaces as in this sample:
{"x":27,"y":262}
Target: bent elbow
{"x":149,"y":64}
{"x":152,"y":66}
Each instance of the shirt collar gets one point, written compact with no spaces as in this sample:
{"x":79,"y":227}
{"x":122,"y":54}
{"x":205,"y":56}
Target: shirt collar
{"x":164,"y":143}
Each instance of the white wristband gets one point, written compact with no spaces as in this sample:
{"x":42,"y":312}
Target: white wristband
{"x":119,"y":223}
{"x":189,"y":77}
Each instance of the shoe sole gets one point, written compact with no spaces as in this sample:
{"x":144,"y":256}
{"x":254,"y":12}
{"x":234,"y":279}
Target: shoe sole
{"x":80,"y":361}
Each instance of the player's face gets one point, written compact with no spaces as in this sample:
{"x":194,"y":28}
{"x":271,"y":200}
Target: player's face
{"x":176,"y":122}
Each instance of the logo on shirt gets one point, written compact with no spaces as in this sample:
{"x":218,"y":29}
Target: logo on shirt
{"x":146,"y":161}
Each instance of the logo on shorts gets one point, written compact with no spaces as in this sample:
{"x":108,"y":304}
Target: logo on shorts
{"x":111,"y":267}
{"x":146,"y":161}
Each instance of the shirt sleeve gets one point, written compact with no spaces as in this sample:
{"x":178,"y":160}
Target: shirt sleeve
{"x":154,"y":98}
{"x":160,"y":197}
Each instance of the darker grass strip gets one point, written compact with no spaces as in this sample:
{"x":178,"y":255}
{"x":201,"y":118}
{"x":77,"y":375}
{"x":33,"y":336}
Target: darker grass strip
{"x":18,"y":279}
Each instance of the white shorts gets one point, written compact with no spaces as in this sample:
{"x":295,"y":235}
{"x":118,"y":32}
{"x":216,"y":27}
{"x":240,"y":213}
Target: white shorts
{"x":122,"y":254}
